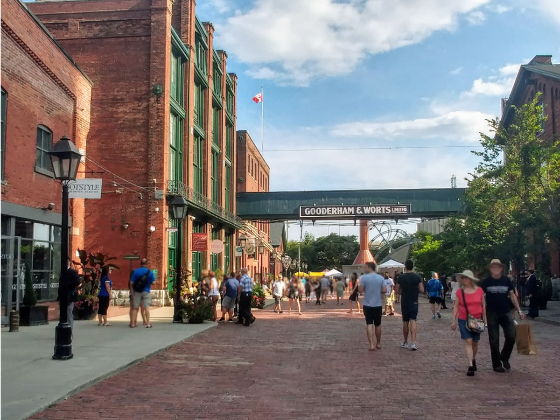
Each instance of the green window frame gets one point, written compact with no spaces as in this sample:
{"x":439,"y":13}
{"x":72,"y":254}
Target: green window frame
{"x":201,"y":54}
{"x":177,"y":77}
{"x":198,"y":163}
{"x":229,"y":101}
{"x":217,"y":81}
{"x":3,"y":111}
{"x":229,"y":137}
{"x":196,"y":255}
{"x":215,"y":176}
{"x":216,"y":127}
{"x":175,"y":147}
{"x":199,"y":106}
{"x":44,"y":143}
{"x":215,"y":258}
{"x":227,"y":254}
{"x":227,"y":186}
{"x":172,"y":240}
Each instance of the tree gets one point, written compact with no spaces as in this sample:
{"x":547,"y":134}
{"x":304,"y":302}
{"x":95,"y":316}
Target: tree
{"x":325,"y":252}
{"x":29,"y":298}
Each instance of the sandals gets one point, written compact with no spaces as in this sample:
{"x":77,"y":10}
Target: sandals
{"x":149,"y":326}
{"x":107,"y":324}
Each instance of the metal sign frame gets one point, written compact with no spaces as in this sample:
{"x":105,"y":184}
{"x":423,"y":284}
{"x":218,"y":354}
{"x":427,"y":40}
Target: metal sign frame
{"x":352,"y":212}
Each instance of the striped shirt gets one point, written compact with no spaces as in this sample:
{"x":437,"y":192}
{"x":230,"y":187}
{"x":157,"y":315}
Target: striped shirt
{"x":246,"y":284}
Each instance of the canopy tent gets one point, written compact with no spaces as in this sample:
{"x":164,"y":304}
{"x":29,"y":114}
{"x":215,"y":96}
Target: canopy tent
{"x":301,"y":274}
{"x":316,"y":274}
{"x":333,"y":273}
{"x":391,"y":264}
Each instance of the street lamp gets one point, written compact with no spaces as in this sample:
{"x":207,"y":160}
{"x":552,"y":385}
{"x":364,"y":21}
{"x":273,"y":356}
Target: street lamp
{"x":65,"y":159}
{"x":261,"y":248}
{"x":179,"y":209}
{"x":286,"y":260}
{"x":242,"y":241}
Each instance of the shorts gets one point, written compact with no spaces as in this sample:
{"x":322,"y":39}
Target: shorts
{"x":142,"y":297}
{"x":373,"y":315}
{"x":390,"y":299}
{"x":465,"y":333}
{"x":277,"y":299}
{"x":325,"y":290}
{"x":229,"y":302}
{"x":435,"y":300}
{"x":409,"y":312}
{"x":103,"y":305}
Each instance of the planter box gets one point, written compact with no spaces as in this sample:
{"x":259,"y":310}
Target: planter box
{"x":85,"y":313}
{"x":33,"y":315}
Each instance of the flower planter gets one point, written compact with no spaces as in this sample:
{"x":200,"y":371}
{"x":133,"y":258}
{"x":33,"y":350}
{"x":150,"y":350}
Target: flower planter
{"x":33,"y":315}
{"x":85,"y":312}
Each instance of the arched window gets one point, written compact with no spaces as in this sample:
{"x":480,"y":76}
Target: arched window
{"x":44,"y":142}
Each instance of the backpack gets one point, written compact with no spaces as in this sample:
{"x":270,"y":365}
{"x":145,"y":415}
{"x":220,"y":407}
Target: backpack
{"x":140,"y":283}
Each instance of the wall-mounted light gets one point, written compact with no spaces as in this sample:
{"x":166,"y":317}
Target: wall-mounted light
{"x":152,"y":228}
{"x":242,"y":241}
{"x":156,"y":209}
{"x":51,"y":206}
{"x":125,"y":225}
{"x":261,"y":249}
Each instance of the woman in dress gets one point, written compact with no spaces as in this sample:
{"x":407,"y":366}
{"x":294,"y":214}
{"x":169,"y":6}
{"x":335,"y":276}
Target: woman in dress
{"x":469,"y":298}
{"x":339,"y":291}
{"x":354,"y":292}
{"x":104,"y":296}
{"x":294,"y":295}
{"x":213,"y":292}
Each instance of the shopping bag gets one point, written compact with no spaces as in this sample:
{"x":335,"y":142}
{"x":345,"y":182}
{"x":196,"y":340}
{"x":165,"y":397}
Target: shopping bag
{"x":525,"y":340}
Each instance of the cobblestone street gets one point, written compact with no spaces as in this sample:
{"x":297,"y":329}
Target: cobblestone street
{"x":316,"y":366}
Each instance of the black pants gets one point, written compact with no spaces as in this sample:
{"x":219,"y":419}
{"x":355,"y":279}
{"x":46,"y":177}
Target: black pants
{"x":533,"y":307}
{"x":245,"y":314}
{"x":495,"y":321}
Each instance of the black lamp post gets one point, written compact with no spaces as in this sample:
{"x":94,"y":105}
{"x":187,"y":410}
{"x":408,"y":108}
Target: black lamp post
{"x":179,"y":209}
{"x":65,"y":159}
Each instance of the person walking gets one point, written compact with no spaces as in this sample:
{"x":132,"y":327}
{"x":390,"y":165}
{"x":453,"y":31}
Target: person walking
{"x":142,"y":279}
{"x":354,"y":292}
{"x":397,"y":296}
{"x":435,"y":292}
{"x":389,"y":296}
{"x":229,"y":291}
{"x":318,"y":292}
{"x":104,"y":296}
{"x":307,"y":287}
{"x":325,"y":288}
{"x":277,"y":292}
{"x":339,"y":291}
{"x":454,"y":285}
{"x":445,"y":284}
{"x":469,"y":301}
{"x":294,"y":295}
{"x":373,"y":286}
{"x":408,"y":286}
{"x":499,"y":292}
{"x":532,"y":288}
{"x":245,"y":295}
{"x":213,"y":292}
{"x":73,"y":284}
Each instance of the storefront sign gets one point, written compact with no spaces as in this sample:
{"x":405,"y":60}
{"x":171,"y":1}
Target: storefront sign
{"x":199,"y":241}
{"x":216,"y":246}
{"x":131,"y":257}
{"x":85,"y":188}
{"x":238,"y":251}
{"x":354,"y":212}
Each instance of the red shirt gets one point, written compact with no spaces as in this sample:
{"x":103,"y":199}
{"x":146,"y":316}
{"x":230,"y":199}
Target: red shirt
{"x":474,"y":301}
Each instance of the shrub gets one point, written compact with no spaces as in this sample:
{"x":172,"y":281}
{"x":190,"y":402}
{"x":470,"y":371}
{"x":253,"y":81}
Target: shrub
{"x":30,"y":298}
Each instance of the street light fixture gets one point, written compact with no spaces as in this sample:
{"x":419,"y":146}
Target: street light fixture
{"x":179,"y":210}
{"x":242,"y":241}
{"x":261,"y":248}
{"x":65,"y":159}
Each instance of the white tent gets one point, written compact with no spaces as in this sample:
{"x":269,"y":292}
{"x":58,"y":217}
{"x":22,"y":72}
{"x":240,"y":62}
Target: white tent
{"x":391,"y":264}
{"x":333,"y":273}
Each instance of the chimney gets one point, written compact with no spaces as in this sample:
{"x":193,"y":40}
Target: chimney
{"x":541,"y":59}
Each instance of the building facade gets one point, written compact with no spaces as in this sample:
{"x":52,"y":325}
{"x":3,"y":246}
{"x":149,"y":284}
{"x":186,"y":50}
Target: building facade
{"x":162,"y":124}
{"x":253,"y":175}
{"x":45,"y":96}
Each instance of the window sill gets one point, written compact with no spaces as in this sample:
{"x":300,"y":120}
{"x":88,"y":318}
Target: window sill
{"x":45,"y":172}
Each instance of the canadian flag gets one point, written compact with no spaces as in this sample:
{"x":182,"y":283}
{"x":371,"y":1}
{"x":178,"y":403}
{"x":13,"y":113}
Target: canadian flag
{"x":258,"y":98}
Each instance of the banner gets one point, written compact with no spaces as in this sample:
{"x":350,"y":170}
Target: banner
{"x":85,"y":188}
{"x":354,"y":212}
{"x":199,"y":242}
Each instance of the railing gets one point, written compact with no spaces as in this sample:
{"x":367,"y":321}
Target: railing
{"x":200,"y":200}
{"x":249,"y":228}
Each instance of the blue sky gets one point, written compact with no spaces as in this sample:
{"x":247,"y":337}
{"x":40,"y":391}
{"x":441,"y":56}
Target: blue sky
{"x":359,"y":74}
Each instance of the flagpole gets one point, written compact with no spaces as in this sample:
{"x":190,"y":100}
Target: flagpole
{"x":262,"y":121}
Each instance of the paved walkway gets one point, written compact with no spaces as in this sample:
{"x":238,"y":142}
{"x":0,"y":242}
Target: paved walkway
{"x":316,"y":366}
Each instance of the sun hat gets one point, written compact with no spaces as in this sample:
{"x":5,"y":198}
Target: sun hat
{"x":469,"y":274}
{"x":496,"y":261}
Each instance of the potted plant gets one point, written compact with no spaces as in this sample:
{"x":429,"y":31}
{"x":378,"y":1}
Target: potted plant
{"x":259,"y":298}
{"x":29,"y":313}
{"x":196,"y":309}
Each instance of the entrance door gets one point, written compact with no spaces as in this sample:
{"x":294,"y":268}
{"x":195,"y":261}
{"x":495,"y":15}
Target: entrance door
{"x":12,"y":276}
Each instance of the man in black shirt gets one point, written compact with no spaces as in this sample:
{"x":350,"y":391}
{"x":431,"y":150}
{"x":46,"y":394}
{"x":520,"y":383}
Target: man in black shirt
{"x":409,"y":285}
{"x":499,"y":294}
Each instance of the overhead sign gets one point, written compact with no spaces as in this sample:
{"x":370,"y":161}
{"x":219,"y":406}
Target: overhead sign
{"x":354,"y":212}
{"x":216,"y":246}
{"x":199,"y":241}
{"x":85,"y":188}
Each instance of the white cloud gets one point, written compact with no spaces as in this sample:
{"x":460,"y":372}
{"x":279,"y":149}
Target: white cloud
{"x":549,"y":8}
{"x":457,"y":71}
{"x":476,"y":18}
{"x":301,"y":40}
{"x":455,"y":125}
{"x":499,"y":85}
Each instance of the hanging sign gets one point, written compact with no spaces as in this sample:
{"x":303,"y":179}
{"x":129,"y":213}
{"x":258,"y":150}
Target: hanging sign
{"x":238,"y":251}
{"x":354,"y":212}
{"x":85,"y":188}
{"x":199,"y":241}
{"x":216,"y":246}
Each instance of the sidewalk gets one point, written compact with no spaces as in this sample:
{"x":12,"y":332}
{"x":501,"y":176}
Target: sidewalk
{"x":31,"y":380}
{"x":551,"y":315}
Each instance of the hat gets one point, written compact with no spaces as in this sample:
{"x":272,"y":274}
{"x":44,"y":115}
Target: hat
{"x":496,"y":261}
{"x":469,"y":274}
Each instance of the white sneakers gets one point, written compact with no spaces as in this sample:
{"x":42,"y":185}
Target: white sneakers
{"x":413,"y":347}
{"x":404,"y":345}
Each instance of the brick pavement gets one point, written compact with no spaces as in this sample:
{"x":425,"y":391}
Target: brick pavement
{"x":316,"y":366}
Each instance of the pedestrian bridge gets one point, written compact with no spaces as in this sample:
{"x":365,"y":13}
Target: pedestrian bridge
{"x":350,"y":204}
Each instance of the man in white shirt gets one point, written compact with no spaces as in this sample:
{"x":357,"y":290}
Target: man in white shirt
{"x":388,"y":301}
{"x":373,"y":286}
{"x":278,"y":291}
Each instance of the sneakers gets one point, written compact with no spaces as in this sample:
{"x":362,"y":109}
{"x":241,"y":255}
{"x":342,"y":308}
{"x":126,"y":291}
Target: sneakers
{"x":222,"y":319}
{"x":471,"y":370}
{"x":506,"y":365}
{"x":414,"y":347}
{"x":438,"y":315}
{"x":404,"y":345}
{"x":474,"y":365}
{"x":433,"y":317}
{"x":231,"y":320}
{"x":499,"y":369}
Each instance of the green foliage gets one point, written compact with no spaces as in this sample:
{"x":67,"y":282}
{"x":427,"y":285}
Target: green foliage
{"x":29,"y":298}
{"x":90,"y":266}
{"x":196,"y":308}
{"x":427,"y":256}
{"x":259,"y":298}
{"x":325,"y":252}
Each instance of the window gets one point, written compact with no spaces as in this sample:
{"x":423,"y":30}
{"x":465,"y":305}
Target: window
{"x":44,"y":142}
{"x":199,"y":106}
{"x":215,"y":176}
{"x":200,"y":55}
{"x":229,"y":100}
{"x":227,"y":187}
{"x":198,"y":162}
{"x":196,"y":255}
{"x":227,"y":254}
{"x":217,"y":80}
{"x":172,"y":254}
{"x":177,"y":77}
{"x":175,"y":148}
{"x":229,"y":130}
{"x":214,"y":264}
{"x":3,"y":111}
{"x":216,"y":126}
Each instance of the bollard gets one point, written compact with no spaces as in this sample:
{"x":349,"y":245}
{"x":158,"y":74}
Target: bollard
{"x":14,"y":321}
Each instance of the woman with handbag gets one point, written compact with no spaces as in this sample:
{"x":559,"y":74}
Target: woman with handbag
{"x":470,"y":311}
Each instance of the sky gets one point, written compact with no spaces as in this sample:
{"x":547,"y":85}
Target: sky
{"x":375,"y":94}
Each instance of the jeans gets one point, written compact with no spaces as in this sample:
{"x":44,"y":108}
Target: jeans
{"x":70,"y":314}
{"x":495,"y":321}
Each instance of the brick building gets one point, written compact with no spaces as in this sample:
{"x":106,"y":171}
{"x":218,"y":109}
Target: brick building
{"x":45,"y":95}
{"x":162,"y":124}
{"x":539,"y":75}
{"x":253,"y":174}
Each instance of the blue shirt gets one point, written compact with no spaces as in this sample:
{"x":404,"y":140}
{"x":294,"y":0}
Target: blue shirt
{"x":246,"y":284}
{"x":103,"y":288}
{"x":231,"y":287}
{"x":372,"y":284}
{"x":434,"y":288}
{"x":139,"y":272}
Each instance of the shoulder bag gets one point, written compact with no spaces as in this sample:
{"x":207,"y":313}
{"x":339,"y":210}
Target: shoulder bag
{"x":474,"y":325}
